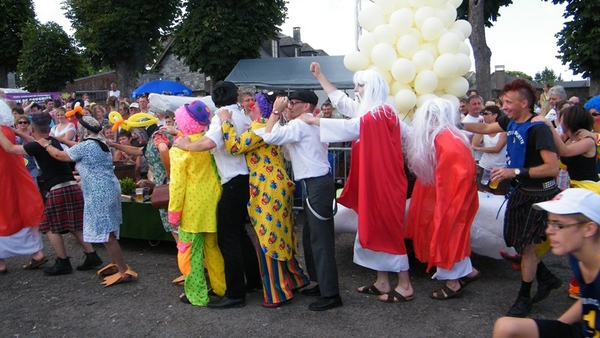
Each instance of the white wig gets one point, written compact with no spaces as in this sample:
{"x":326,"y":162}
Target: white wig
{"x":375,"y":91}
{"x":432,"y":118}
{"x":6,"y":118}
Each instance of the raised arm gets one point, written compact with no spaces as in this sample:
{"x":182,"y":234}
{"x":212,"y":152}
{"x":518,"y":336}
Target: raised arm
{"x":315,"y":69}
{"x":131,"y":150}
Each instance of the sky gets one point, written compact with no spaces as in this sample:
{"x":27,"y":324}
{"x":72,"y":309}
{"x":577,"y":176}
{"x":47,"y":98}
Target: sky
{"x":522,"y":39}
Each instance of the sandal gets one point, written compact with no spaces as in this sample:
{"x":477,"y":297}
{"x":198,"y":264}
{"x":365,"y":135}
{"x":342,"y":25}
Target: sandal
{"x":34,"y":263}
{"x":445,"y":293}
{"x":370,"y":290}
{"x":118,"y":278}
{"x":468,"y":280}
{"x":395,"y":297}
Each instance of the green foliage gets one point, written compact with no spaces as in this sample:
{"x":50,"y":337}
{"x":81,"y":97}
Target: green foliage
{"x":577,"y":41}
{"x":490,"y":11}
{"x":16,"y":14}
{"x":48,"y":59}
{"x":216,"y":34}
{"x":118,"y":31}
{"x":520,"y":74}
{"x":546,"y":76}
{"x":127,"y":185}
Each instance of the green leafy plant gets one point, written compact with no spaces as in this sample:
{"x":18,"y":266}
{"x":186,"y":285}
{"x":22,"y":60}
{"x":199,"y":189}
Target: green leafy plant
{"x":127,"y":185}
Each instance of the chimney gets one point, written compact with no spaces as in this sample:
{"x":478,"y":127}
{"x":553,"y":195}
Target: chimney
{"x":500,"y":79}
{"x":297,"y":34}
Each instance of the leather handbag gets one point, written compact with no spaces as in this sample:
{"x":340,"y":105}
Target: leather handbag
{"x":160,"y":196}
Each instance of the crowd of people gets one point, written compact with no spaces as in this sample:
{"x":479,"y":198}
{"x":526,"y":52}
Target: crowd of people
{"x":227,"y":168}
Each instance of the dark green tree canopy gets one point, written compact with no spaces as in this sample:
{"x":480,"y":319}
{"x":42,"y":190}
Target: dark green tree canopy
{"x":216,"y":34}
{"x":546,"y":76}
{"x":490,"y":10}
{"x":520,"y":74}
{"x":16,"y":14}
{"x":48,"y":59}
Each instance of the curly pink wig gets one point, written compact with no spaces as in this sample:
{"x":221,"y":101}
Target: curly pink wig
{"x":192,"y":124}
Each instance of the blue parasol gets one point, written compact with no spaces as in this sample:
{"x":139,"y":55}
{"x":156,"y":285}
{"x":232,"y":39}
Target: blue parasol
{"x":162,"y":87}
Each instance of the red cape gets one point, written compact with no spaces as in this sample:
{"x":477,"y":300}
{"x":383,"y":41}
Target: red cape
{"x":22,"y":204}
{"x":440,"y":215}
{"x":376,"y":186}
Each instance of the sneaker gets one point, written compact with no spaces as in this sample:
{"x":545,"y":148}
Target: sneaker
{"x":62,"y":266}
{"x":520,"y":308}
{"x":92,"y":260}
{"x":574,"y":291}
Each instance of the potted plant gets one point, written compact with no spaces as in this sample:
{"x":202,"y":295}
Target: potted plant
{"x":128,"y":185}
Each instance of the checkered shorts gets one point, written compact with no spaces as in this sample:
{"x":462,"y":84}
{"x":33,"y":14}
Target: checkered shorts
{"x":522,"y":224}
{"x":64,"y":210}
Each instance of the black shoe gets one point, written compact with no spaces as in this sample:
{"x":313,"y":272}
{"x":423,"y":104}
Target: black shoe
{"x":326,"y":303}
{"x":314,"y":291}
{"x":520,"y":308}
{"x":227,"y":303}
{"x":92,"y":260}
{"x":62,"y":266}
{"x":544,"y":288}
{"x":251,"y":287}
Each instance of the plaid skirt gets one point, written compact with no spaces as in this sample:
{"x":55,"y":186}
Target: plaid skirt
{"x":64,"y":210}
{"x":522,"y":224}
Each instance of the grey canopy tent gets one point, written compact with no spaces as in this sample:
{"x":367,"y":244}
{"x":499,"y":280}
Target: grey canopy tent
{"x":291,"y":73}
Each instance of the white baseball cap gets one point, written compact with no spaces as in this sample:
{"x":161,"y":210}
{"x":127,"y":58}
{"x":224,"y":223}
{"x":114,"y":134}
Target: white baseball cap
{"x":574,"y":201}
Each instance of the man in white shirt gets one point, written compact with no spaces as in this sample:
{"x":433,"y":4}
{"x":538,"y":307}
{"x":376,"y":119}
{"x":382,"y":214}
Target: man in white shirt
{"x":114,"y":91}
{"x":557,"y":94}
{"x":475,"y":106}
{"x":235,"y":244}
{"x":311,"y":167}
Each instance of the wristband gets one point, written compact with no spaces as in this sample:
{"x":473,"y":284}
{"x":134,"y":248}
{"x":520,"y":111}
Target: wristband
{"x":275,"y":112}
{"x":524,"y":173}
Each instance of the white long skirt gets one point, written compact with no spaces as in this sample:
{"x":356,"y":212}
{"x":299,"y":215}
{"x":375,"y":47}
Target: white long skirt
{"x":25,"y":242}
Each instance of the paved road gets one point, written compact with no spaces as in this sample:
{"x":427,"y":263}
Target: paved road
{"x":75,"y":305}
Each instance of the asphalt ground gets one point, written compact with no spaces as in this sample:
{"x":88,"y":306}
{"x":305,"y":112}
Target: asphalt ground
{"x":76,"y":305}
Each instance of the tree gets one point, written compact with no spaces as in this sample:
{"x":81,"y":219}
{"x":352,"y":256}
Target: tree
{"x":520,"y":74}
{"x":546,"y":76}
{"x":216,"y":34}
{"x":481,"y":14}
{"x":16,"y":14}
{"x":577,"y":41}
{"x":48,"y":59}
{"x":122,"y":34}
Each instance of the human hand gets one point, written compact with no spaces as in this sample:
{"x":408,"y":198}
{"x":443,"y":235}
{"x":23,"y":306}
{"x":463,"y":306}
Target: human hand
{"x":182,"y":142}
{"x":280,"y":104}
{"x":540,"y":118}
{"x":170,"y":130}
{"x":315,"y":69}
{"x":224,"y":115}
{"x":582,"y":133}
{"x":499,"y":174}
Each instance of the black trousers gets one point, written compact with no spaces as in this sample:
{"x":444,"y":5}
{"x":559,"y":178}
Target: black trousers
{"x":236,"y":246}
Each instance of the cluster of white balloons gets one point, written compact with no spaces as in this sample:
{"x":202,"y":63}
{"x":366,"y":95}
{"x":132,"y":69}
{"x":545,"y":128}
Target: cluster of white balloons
{"x":418,"y":46}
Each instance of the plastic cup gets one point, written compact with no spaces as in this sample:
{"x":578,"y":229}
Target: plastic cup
{"x":494,"y":184}
{"x":485,"y":177}
{"x":139,"y":194}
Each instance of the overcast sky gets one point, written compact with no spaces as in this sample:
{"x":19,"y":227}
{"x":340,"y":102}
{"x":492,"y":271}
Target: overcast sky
{"x":522,"y":39}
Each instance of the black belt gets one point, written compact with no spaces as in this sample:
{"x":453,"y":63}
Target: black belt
{"x":538,"y":186}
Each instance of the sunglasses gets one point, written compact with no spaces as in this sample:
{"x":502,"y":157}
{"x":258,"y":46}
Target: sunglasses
{"x":595,"y":114}
{"x":23,"y":122}
{"x":485,"y":113}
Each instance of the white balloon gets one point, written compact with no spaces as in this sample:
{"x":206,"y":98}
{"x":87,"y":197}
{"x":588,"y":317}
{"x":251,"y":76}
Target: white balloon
{"x":417,"y":34}
{"x":425,"y":82}
{"x":371,"y":17}
{"x":463,"y":63}
{"x":416,"y":3}
{"x":464,"y":26}
{"x":436,"y":3}
{"x":407,"y":46}
{"x":464,"y":48}
{"x":424,"y":98}
{"x":455,"y":3}
{"x":386,"y":75}
{"x":442,"y":84}
{"x":383,"y":56}
{"x":451,"y":11}
{"x":431,"y":48}
{"x":423,"y":60}
{"x":445,"y":66}
{"x":422,"y":14}
{"x":387,"y":6}
{"x":366,"y":42}
{"x":457,"y":86}
{"x":401,"y":4}
{"x":441,"y":14}
{"x":453,"y":99}
{"x":405,"y":100}
{"x":403,"y":71}
{"x":448,"y":43}
{"x":356,"y":61}
{"x":432,"y":29}
{"x":402,"y":20}
{"x":385,"y":34}
{"x":458,"y":33}
{"x":397,"y":86}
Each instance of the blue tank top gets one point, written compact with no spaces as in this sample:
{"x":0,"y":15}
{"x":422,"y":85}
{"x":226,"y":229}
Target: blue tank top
{"x":590,"y":298}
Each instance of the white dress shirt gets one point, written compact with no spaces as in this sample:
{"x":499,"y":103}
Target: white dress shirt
{"x":228,"y":166}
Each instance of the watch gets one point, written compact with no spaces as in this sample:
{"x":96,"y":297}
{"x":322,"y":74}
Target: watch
{"x":517,"y":172}
{"x":276,"y":112}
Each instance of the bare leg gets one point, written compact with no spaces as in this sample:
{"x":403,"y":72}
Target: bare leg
{"x":116,"y":255}
{"x":58,"y":244}
{"x":404,"y":286}
{"x":529,"y":263}
{"x":87,"y":247}
{"x":2,"y":264}
{"x":515,"y":327}
{"x":382,"y":283}
{"x":38,"y":256}
{"x":175,"y":236}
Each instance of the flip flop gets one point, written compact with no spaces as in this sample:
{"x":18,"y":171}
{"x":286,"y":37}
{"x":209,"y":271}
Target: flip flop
{"x":395,"y":297}
{"x":34,"y":263}
{"x":117,"y":278}
{"x":468,"y":280}
{"x":445,"y":293}
{"x":370,"y":290}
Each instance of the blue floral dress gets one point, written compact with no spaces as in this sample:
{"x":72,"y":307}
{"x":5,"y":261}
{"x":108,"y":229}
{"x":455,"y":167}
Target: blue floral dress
{"x":158,"y":169}
{"x":101,"y":191}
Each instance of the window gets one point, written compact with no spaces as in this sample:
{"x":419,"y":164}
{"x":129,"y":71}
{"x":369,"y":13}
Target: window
{"x":275,"y":48}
